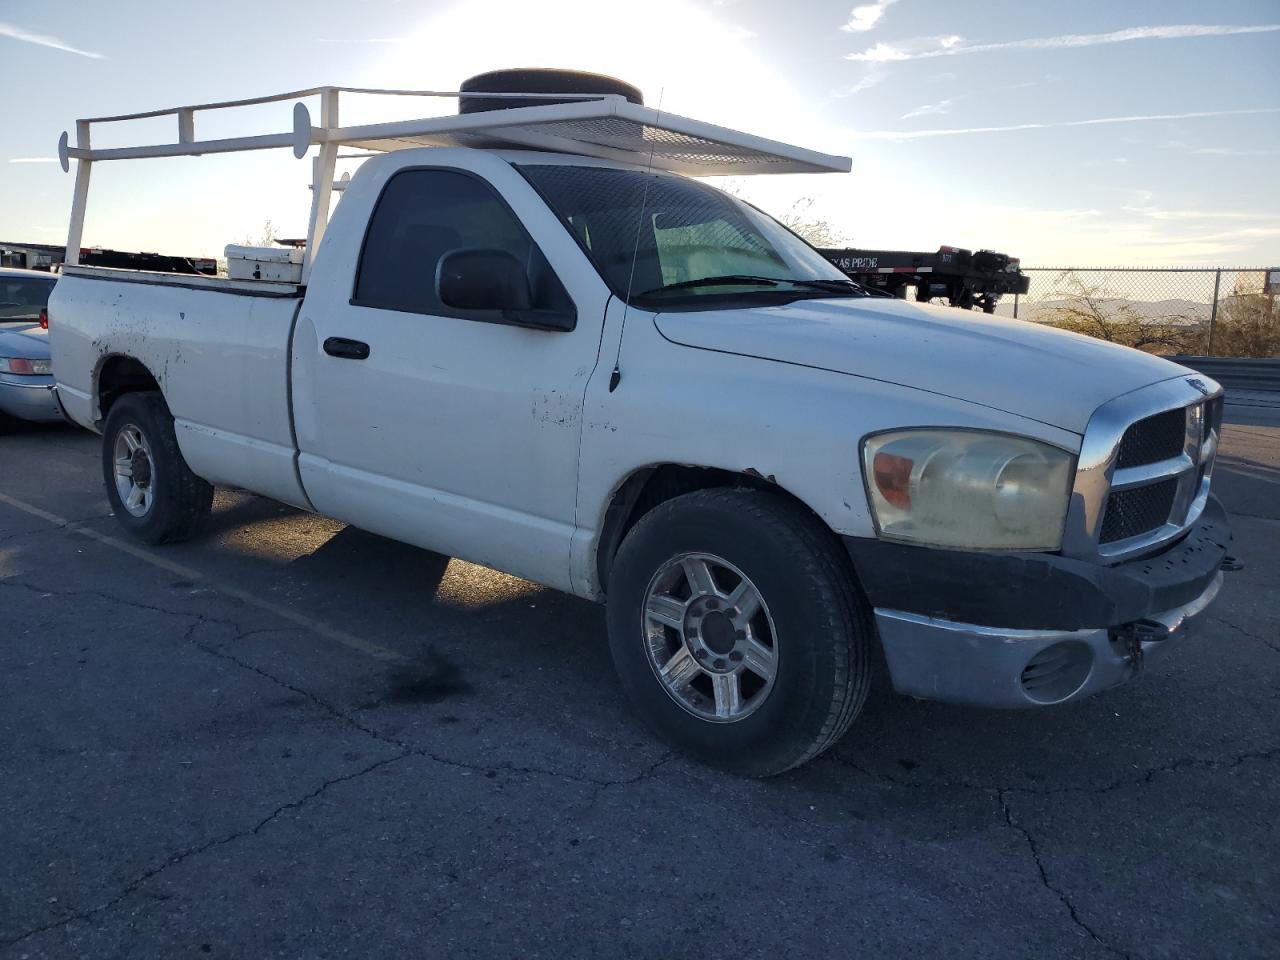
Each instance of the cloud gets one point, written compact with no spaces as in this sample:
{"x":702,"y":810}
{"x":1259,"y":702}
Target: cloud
{"x":865,"y":17}
{"x":866,"y":83}
{"x":921,"y":134}
{"x":1161,"y":213}
{"x":930,"y":109}
{"x":1181,"y":146}
{"x":922,"y":48}
{"x":33,"y":159}
{"x":1233,"y":235}
{"x":916,"y":48}
{"x":1232,"y":152}
{"x":42,"y":40}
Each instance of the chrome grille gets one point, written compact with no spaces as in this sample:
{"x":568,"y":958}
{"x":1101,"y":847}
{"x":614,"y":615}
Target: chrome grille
{"x":1138,"y":510}
{"x":1144,"y":469}
{"x":1153,"y":439}
{"x":1213,"y":415}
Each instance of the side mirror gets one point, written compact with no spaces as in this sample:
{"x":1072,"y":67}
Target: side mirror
{"x":483,"y":280}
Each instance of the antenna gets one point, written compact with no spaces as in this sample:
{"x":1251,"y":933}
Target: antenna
{"x":616,"y":377}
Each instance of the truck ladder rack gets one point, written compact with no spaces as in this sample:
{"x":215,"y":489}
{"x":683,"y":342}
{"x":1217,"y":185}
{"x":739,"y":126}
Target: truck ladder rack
{"x":591,"y":125}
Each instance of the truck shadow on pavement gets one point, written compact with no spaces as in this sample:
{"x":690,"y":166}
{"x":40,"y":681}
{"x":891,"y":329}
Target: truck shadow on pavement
{"x":456,"y":623}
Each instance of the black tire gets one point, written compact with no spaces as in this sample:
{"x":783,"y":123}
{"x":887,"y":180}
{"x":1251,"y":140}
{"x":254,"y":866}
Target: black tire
{"x":181,"y":500}
{"x":536,"y":80}
{"x":823,"y":629}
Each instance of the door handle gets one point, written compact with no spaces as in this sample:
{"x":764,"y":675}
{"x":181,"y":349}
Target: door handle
{"x":345,"y":349}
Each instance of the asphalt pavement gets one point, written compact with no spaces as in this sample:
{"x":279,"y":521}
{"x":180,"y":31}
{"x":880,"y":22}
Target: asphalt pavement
{"x":290,"y":738}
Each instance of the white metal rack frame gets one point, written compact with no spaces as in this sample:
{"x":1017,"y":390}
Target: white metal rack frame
{"x":593,"y":125}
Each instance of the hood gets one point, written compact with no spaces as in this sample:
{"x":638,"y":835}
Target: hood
{"x":24,"y":340}
{"x":1053,"y":376}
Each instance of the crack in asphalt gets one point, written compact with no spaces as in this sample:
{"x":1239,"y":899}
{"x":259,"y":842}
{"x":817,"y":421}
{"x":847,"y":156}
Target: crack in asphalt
{"x":1248,"y":633}
{"x":97,"y":594}
{"x":404,"y":749}
{"x":1141,"y":779}
{"x":409,"y":749}
{"x":1254,"y":516}
{"x":1002,"y":793}
{"x":176,"y":858}
{"x":330,"y":708}
{"x":52,"y":527}
{"x":1044,"y":877}
{"x":314,"y":698}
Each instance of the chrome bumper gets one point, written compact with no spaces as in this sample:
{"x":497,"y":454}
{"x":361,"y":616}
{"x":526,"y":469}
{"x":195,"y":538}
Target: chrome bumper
{"x":938,"y":659}
{"x":29,"y":398}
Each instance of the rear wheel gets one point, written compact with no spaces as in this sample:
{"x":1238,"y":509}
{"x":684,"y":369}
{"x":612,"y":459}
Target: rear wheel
{"x":737,"y":630}
{"x":153,"y":492}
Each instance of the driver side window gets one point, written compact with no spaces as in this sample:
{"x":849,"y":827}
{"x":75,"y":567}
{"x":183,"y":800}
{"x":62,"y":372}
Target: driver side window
{"x":423,"y":215}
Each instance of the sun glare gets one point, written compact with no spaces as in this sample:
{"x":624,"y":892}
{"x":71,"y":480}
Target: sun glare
{"x":694,"y":63}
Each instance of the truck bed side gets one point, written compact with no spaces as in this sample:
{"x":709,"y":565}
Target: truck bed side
{"x":218,"y":350}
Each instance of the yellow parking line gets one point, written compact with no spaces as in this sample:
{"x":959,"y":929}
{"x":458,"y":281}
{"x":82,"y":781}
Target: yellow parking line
{"x":348,"y":640}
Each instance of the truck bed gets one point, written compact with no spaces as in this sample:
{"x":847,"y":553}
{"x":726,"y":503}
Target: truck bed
{"x":218,"y":349}
{"x":252,"y":288}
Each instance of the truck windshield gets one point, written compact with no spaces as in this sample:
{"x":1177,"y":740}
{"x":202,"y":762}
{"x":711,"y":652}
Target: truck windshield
{"x":664,"y":242}
{"x":22,"y":298}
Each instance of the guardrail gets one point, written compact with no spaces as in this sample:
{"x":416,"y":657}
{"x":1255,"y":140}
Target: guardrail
{"x":1237,"y":373}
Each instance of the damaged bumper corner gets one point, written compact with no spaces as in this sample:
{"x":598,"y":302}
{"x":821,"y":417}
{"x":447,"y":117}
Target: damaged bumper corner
{"x":966,"y":663}
{"x":1024,"y":630}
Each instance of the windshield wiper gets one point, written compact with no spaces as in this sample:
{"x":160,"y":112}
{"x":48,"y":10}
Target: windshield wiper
{"x":728,"y":280}
{"x":746,"y":279}
{"x":850,"y":285}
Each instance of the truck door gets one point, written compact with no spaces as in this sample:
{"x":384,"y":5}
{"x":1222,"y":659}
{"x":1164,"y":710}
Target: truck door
{"x":455,"y":430}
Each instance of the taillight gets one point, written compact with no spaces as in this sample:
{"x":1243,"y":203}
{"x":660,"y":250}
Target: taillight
{"x":44,"y":318}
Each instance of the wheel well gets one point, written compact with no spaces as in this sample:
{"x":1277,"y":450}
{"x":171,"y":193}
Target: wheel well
{"x":121,"y":375}
{"x":650,"y":486}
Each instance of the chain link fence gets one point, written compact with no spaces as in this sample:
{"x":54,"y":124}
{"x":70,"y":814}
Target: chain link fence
{"x":1224,"y":312}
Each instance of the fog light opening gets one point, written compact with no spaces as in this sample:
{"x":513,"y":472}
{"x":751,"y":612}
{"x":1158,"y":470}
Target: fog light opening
{"x":1057,"y":672}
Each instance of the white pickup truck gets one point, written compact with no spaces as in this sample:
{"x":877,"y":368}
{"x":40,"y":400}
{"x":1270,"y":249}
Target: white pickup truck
{"x":577,"y":367}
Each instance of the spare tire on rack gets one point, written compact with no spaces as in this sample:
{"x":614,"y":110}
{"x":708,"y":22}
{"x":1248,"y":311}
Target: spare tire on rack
{"x":538,"y":80}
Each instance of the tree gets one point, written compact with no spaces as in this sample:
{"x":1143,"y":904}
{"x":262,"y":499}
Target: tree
{"x":816,"y":230}
{"x":799,"y":219}
{"x":267,"y":239}
{"x":1247,"y":324}
{"x":1092,"y":310}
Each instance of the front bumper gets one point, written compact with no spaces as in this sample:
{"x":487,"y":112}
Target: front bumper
{"x":992,"y":667}
{"x":29,"y":398}
{"x":1008,"y":630}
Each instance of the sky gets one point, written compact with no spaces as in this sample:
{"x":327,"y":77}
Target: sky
{"x":1090,"y":133}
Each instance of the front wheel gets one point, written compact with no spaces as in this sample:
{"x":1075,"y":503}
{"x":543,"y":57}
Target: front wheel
{"x":153,"y":492}
{"x":737,"y":630}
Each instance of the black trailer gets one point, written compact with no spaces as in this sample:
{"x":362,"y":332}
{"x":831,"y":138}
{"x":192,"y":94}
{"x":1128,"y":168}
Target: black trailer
{"x":154,"y":262}
{"x":964,"y":278}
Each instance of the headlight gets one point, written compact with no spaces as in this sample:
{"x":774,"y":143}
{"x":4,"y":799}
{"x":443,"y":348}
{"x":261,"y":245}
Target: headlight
{"x":964,"y":488}
{"x":23,"y":367}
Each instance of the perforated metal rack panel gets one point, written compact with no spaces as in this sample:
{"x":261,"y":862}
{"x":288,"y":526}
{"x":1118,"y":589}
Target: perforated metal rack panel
{"x":667,"y":142}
